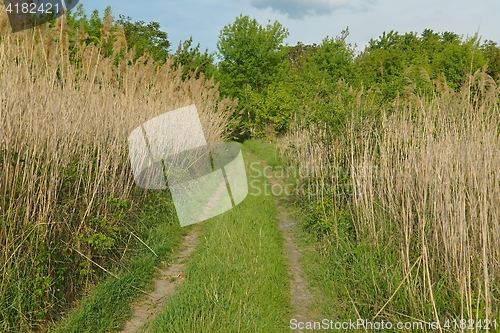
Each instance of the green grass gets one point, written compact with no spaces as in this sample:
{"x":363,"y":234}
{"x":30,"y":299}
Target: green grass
{"x":355,"y":278}
{"x":109,"y":304}
{"x":237,"y":280}
{"x":264,"y":150}
{"x":349,"y":275}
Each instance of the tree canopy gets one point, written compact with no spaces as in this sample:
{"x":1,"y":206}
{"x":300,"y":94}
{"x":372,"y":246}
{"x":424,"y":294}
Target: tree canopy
{"x":275,"y":82}
{"x":249,"y":54}
{"x":142,"y":35}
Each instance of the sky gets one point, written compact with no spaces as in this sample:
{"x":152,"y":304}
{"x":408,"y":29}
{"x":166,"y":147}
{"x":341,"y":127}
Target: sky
{"x":310,"y":21}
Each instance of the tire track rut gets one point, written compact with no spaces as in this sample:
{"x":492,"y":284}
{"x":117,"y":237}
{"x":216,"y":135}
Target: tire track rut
{"x":301,"y":297}
{"x":146,"y":310}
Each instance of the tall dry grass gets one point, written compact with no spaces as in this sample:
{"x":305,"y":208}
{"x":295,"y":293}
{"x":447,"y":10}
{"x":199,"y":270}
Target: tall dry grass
{"x":65,"y":179}
{"x":426,"y":178}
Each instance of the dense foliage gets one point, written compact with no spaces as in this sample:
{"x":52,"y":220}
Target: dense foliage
{"x":138,"y":37}
{"x":275,"y":82}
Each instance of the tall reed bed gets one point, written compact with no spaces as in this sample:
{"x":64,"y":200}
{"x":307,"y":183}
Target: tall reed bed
{"x":424,"y":180}
{"x":66,"y":188}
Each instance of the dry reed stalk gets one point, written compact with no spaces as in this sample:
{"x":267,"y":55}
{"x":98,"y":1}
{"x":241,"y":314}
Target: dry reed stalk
{"x":63,"y":155}
{"x":430,"y":171}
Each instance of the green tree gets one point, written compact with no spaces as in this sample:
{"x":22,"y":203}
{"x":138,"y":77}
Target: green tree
{"x":393,"y":62}
{"x":96,"y":29}
{"x":458,"y":58}
{"x":335,"y":57}
{"x":491,"y":52}
{"x":92,"y":26}
{"x":141,"y":36}
{"x":382,"y":64}
{"x":299,"y":54}
{"x":269,"y":112}
{"x":193,"y":61}
{"x":249,"y":54}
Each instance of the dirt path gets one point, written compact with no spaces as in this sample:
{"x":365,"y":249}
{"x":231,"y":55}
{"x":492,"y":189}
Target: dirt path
{"x":146,"y":310}
{"x":300,"y":296}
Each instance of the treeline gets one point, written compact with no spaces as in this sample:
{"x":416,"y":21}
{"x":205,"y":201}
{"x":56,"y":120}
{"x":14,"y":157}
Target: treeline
{"x":275,"y":82}
{"x":138,"y":37}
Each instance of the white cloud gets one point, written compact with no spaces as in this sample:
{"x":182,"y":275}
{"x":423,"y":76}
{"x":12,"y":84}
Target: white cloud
{"x":298,"y":9}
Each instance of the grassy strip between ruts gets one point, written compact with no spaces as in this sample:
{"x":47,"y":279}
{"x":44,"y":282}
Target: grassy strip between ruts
{"x":237,"y":280}
{"x":109,"y":304}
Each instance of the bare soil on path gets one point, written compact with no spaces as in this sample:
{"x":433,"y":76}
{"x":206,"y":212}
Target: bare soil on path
{"x":147,"y":309}
{"x":301,"y":297}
